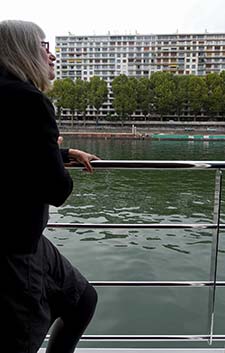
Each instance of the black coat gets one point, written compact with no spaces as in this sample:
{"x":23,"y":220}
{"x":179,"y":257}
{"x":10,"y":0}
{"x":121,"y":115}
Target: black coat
{"x":33,"y":174}
{"x":34,"y":275}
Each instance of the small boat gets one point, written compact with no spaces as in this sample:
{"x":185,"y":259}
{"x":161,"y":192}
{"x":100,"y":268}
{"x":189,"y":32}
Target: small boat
{"x":163,"y":136}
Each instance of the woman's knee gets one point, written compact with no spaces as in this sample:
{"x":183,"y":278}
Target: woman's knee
{"x":89,"y":298}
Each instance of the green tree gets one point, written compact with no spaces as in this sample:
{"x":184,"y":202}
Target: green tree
{"x":215,"y":94}
{"x":81,"y":91}
{"x":125,"y":96}
{"x":222,"y":78}
{"x":164,"y":88}
{"x":144,"y":96}
{"x":98,"y":92}
{"x":197,"y":94}
{"x":182,"y":93}
{"x":69,"y":101}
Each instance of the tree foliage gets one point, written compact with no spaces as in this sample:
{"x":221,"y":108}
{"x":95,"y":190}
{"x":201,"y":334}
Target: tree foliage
{"x":162,"y":94}
{"x":98,"y":92}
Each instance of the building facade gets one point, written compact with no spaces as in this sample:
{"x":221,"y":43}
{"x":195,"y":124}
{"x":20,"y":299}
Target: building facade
{"x":108,"y":56}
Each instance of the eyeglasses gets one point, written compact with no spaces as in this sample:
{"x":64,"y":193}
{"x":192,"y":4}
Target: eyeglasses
{"x":45,"y":45}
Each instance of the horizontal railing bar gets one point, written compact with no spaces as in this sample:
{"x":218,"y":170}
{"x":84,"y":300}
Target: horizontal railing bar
{"x":147,"y":164}
{"x":152,"y":337}
{"x":157,"y":283}
{"x":180,"y":338}
{"x":134,"y":225}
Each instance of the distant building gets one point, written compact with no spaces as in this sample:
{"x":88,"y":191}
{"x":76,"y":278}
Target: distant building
{"x":108,"y":56}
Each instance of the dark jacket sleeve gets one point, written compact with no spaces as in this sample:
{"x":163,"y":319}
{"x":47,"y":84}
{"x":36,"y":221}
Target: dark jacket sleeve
{"x":64,"y":154}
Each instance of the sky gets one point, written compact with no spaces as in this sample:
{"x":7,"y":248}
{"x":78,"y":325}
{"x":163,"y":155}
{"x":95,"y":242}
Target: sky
{"x":98,"y":17}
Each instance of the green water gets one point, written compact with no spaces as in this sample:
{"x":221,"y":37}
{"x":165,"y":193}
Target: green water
{"x":142,"y":197}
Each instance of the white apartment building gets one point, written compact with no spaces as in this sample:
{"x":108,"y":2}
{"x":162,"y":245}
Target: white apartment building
{"x":108,"y":56}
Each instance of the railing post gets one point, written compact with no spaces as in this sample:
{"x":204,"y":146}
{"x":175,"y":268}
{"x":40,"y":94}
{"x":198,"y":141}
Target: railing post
{"x":214,"y":252}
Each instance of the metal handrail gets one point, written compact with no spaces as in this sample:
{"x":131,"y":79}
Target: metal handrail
{"x":147,"y":338}
{"x":146,"y":164}
{"x":135,"y":226}
{"x":157,"y":283}
{"x":219,"y":166}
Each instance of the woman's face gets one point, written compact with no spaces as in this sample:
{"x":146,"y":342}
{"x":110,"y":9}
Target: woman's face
{"x":44,"y":50}
{"x":51,"y":72}
{"x":49,"y":58}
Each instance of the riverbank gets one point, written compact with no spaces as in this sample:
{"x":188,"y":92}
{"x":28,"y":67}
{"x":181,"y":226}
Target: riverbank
{"x":154,"y":130}
{"x":153,"y":136}
{"x":145,"y":127}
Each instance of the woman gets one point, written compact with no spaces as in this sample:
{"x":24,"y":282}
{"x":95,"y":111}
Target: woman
{"x":39,"y":286}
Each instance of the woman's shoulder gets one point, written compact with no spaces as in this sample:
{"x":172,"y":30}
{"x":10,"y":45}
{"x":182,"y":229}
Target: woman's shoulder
{"x":26,"y":91}
{"x":25,"y":88}
{"x":23,"y":94}
{"x":10,"y":85}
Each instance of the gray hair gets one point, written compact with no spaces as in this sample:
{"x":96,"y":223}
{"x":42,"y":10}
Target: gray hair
{"x":20,"y":52}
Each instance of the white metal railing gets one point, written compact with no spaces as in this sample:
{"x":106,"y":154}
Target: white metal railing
{"x":216,"y":226}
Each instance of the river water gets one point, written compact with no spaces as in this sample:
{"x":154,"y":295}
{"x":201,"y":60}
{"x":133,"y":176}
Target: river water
{"x":125,"y":196}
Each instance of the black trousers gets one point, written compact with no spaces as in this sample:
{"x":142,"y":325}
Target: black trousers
{"x":38,"y":290}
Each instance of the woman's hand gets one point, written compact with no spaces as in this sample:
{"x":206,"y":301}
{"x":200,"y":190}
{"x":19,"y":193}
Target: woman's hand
{"x":60,"y":140}
{"x":77,"y":156}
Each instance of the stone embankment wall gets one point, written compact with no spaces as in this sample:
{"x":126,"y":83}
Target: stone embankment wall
{"x":141,"y":128}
